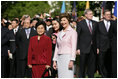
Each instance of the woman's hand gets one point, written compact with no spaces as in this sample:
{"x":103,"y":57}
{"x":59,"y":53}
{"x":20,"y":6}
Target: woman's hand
{"x":70,"y":66}
{"x":78,"y":52}
{"x":98,"y":51}
{"x":53,"y":39}
{"x":47,"y":66}
{"x":55,"y":65}
{"x":30,"y":66}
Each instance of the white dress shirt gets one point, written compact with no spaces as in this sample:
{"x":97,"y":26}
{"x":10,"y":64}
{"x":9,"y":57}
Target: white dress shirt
{"x":48,"y":27}
{"x":87,"y":21}
{"x":107,"y":25}
{"x":15,"y":29}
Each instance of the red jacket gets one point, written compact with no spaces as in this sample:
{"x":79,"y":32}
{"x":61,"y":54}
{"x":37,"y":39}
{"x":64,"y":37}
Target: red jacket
{"x":40,"y":52}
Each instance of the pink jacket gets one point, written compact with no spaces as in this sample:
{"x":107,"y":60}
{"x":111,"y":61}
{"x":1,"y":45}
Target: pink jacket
{"x":66,"y":43}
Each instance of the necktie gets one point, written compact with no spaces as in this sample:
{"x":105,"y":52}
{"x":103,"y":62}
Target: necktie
{"x":107,"y":26}
{"x":90,"y":28}
{"x":28,"y":32}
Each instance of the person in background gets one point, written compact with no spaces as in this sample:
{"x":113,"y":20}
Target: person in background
{"x":23,"y":19}
{"x":49,"y":29}
{"x":57,"y":28}
{"x":22,"y":42}
{"x":33,"y":23}
{"x":15,"y":25}
{"x":73,"y":24}
{"x":104,"y":45}
{"x":5,"y":36}
{"x":10,"y":27}
{"x":80,"y":18}
{"x":114,"y":18}
{"x":6,"y":39}
{"x":65,"y":50}
{"x":114,"y":49}
{"x":39,"y":51}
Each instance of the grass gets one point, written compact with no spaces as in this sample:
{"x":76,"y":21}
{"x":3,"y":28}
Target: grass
{"x":96,"y":75}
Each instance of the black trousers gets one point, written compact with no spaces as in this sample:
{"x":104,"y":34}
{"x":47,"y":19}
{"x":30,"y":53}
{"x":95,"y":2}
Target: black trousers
{"x":104,"y":63}
{"x":12,"y":67}
{"x":114,"y":64}
{"x":22,"y":69}
{"x":87,"y":61}
{"x":4,"y":69}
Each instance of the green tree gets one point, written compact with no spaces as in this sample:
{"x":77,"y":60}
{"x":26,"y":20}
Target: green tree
{"x":20,"y":8}
{"x":13,"y":9}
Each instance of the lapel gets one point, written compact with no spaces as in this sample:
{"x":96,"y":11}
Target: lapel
{"x":12,"y":31}
{"x":61,"y":35}
{"x":110,"y":26}
{"x":24,"y":33}
{"x":93,"y":27}
{"x":30,"y":32}
{"x":104,"y":28}
{"x":86,"y":26}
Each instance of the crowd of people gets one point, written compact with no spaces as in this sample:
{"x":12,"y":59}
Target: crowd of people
{"x":31,"y":45}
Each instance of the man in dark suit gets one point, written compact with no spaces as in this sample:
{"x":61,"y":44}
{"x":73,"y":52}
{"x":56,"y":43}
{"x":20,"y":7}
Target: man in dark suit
{"x":104,"y":55}
{"x":87,"y":44}
{"x":5,"y":36}
{"x":13,"y":51}
{"x":22,"y":41}
{"x":113,"y":31}
{"x":6,"y":41}
{"x":49,"y":29}
{"x":114,"y":50}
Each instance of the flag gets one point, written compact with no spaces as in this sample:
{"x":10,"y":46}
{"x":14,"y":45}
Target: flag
{"x":63,"y":7}
{"x":74,"y":14}
{"x":103,"y":8}
{"x":87,"y":5}
{"x":115,"y":9}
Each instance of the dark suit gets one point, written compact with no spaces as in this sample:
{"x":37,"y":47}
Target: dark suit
{"x":5,"y":46}
{"x":87,"y":43}
{"x":13,"y":50}
{"x":104,"y":56}
{"x":113,"y":32}
{"x":48,"y":33}
{"x":23,"y":43}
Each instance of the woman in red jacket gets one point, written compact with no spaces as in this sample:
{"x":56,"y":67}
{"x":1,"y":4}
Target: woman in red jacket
{"x":40,"y":51}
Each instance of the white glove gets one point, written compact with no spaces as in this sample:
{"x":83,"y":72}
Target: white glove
{"x":10,"y":54}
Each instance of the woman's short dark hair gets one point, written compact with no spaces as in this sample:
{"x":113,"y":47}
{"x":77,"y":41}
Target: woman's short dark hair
{"x":41,"y":23}
{"x":34,"y":19}
{"x":65,"y":15}
{"x":60,"y":26}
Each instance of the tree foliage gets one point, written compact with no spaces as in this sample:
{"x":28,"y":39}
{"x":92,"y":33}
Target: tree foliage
{"x":13,"y":9}
{"x":19,"y":8}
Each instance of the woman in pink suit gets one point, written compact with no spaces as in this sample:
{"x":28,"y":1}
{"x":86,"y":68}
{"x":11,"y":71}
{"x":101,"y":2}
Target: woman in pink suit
{"x":40,"y":51}
{"x":65,"y":50}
